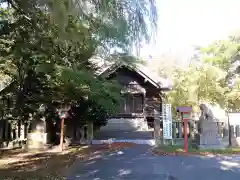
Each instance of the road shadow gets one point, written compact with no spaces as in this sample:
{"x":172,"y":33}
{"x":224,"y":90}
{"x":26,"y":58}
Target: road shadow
{"x":45,"y":164}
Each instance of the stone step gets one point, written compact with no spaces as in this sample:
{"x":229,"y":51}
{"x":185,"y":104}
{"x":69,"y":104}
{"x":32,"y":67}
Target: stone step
{"x":212,"y":147}
{"x":126,"y":124}
{"x":150,"y":142}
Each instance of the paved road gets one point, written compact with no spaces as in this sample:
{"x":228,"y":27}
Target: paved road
{"x":139,"y":164}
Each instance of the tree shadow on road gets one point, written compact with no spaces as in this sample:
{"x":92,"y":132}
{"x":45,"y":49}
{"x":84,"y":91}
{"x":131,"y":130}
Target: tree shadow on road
{"x":139,"y":163}
{"x":47,"y":164}
{"x":38,"y":165}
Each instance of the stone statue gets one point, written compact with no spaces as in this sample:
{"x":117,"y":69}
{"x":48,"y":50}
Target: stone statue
{"x":208,"y":128}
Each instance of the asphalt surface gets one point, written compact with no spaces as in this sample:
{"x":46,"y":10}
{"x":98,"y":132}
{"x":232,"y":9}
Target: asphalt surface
{"x":138,"y":163}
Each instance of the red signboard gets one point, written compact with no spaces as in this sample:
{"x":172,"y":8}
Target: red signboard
{"x":186,"y":112}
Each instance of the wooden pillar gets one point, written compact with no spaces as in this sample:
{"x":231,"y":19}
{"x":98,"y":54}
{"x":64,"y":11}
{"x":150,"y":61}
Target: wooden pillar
{"x":232,"y":133}
{"x":157,"y":128}
{"x":219,"y":127}
{"x":1,"y":129}
{"x":237,"y":129}
{"x":144,"y":105}
{"x":90,"y":132}
{"x":225,"y":132}
{"x":17,"y":130}
{"x":22,"y":130}
{"x":25,"y":130}
{"x":6,"y":131}
{"x":191,"y":129}
{"x":11,"y":131}
{"x":74,"y":132}
{"x":78,"y":133}
{"x":174,"y":132}
{"x":180,"y":133}
{"x":82,"y":134}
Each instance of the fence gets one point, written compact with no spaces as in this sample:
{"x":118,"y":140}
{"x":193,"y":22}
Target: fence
{"x":193,"y":130}
{"x":235,"y":135}
{"x":12,"y":134}
{"x":178,"y":131}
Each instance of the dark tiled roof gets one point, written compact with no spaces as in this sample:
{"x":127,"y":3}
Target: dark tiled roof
{"x":144,"y":71}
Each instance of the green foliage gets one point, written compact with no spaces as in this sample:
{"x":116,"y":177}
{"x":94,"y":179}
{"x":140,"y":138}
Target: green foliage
{"x":115,"y":24}
{"x":48,"y":48}
{"x":210,"y":79}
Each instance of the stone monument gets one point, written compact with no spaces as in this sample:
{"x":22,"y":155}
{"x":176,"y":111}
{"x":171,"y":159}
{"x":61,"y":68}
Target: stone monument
{"x":37,"y":138}
{"x":209,"y":131}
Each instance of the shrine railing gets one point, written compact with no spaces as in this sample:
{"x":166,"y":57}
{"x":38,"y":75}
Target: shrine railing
{"x":178,"y":131}
{"x":12,"y":135}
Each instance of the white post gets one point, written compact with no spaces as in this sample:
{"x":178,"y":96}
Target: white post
{"x":22,"y":130}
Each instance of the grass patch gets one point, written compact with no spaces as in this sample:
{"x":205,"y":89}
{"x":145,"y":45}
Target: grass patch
{"x":180,"y":150}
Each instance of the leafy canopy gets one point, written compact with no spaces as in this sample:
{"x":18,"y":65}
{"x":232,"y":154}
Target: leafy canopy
{"x":214,"y":79}
{"x":115,"y":24}
{"x":48,"y":46}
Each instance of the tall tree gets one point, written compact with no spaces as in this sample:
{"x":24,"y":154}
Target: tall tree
{"x":116,"y":24}
{"x":49,"y":59}
{"x":224,"y":55}
{"x":214,"y":79}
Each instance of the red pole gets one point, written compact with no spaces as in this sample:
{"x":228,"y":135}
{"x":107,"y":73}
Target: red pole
{"x":185,"y":135}
{"x":61,"y":135}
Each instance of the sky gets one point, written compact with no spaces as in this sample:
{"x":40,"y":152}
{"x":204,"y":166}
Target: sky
{"x":183,"y":24}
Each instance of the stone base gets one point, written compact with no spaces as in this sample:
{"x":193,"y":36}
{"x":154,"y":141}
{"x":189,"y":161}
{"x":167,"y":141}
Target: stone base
{"x":212,"y":147}
{"x":13,"y":144}
{"x":126,"y":124}
{"x":210,"y":140}
{"x":150,"y":142}
{"x":36,"y":140}
{"x":209,"y":137}
{"x":207,"y":142}
{"x":235,"y":141}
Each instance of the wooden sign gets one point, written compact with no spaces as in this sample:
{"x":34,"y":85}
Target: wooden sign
{"x":167,"y":121}
{"x":184,"y":109}
{"x":62,"y":114}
